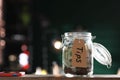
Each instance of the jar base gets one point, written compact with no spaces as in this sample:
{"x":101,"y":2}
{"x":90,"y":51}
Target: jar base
{"x":72,"y":75}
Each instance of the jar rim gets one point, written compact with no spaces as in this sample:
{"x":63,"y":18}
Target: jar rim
{"x":78,"y":33}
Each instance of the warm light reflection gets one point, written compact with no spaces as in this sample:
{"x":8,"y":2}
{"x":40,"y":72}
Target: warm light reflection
{"x":2,"y":32}
{"x":12,"y":58}
{"x":2,"y":42}
{"x":40,"y":71}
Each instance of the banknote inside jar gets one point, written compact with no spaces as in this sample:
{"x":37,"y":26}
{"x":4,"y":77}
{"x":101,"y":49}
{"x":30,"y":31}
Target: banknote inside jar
{"x":67,"y":61}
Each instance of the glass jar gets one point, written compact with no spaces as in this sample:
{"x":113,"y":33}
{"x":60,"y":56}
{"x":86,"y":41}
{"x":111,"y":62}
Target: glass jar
{"x":78,"y":51}
{"x":77,"y":55}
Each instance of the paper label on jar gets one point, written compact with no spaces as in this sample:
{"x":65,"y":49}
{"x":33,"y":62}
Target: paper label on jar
{"x":79,"y":55}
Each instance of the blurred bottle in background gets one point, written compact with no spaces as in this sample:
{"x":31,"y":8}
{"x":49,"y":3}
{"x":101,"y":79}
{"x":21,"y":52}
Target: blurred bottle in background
{"x":24,"y":58}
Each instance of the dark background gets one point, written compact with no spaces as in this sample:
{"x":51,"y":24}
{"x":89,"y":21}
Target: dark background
{"x":27,"y":17}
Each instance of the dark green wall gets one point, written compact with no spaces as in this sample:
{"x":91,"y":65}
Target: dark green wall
{"x":101,"y":17}
{"x":108,"y":35}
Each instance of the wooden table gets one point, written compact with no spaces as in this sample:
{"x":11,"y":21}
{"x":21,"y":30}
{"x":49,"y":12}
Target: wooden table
{"x":51,"y":77}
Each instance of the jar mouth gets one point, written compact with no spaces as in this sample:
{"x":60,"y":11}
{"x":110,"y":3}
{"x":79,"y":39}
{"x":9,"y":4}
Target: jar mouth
{"x":87,"y":34}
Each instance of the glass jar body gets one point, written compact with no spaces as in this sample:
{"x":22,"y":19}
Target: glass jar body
{"x":67,"y":53}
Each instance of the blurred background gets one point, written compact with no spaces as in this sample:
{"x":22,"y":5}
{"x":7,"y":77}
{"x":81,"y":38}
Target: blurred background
{"x":33,"y":28}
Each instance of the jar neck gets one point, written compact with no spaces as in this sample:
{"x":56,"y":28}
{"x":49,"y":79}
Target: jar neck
{"x":78,"y":34}
{"x":69,"y":37}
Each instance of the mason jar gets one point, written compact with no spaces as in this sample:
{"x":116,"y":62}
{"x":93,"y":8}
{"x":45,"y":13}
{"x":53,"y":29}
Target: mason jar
{"x":77,"y":55}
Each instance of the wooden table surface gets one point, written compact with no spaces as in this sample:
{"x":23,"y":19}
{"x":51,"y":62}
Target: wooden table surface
{"x":51,"y":77}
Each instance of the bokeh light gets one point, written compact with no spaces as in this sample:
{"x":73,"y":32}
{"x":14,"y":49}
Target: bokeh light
{"x":2,"y":42}
{"x":12,"y":58}
{"x":57,"y":44}
{"x":23,"y":59}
